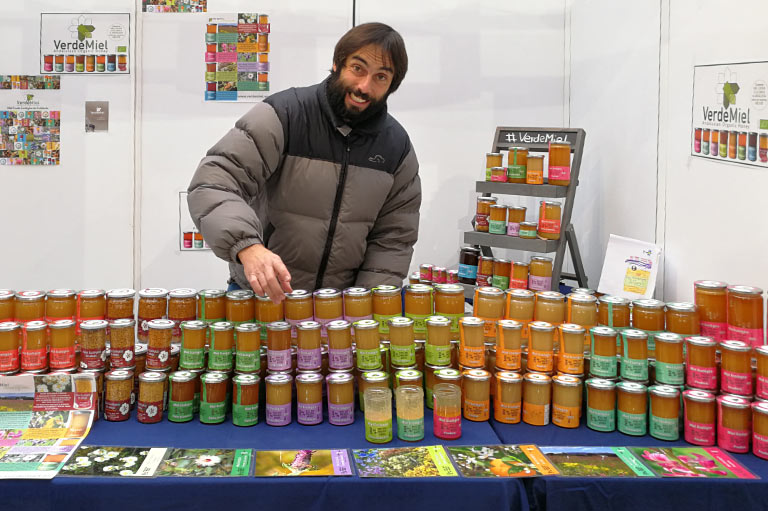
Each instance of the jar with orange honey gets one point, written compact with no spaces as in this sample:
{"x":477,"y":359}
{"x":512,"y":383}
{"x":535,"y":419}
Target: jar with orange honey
{"x":341,"y":398}
{"x":308,"y":346}
{"x":268,"y":312}
{"x":279,"y":346}
{"x":519,"y":277}
{"x":153,"y":304}
{"x":299,"y":307}
{"x":515,"y":216}
{"x":745,"y":314}
{"x":438,"y":342}
{"x":570,"y":359}
{"x":602,"y":362}
{"x":550,"y":307}
{"x":240,"y":307}
{"x":540,"y":273}
{"x":581,"y":309}
{"x":760,"y":429}
{"x":476,"y":393}
{"x":483,"y":214}
{"x":10,"y":340}
{"x":340,"y":345}
{"x":549,"y":220}
{"x":682,"y":318}
{"x":34,"y":345}
{"x":211,"y":305}
{"x":193,"y":335}
{"x":507,"y":397}
{"x":309,"y":398}
{"x":449,"y":303}
{"x":517,"y":160}
{"x":62,"y":344}
{"x":502,"y":270}
{"x":387,"y":304}
{"x":358,"y":304}
{"x":182,"y":306}
{"x":601,"y":404}
{"x":734,"y":423}
{"x":7,"y":305}
{"x":631,"y":408}
{"x":700,"y":363}
{"x":418,"y":306}
{"x":649,"y":316}
{"x":541,"y":347}
{"x":613,"y":311}
{"x":484,"y":271}
{"x":699,"y":417}
{"x":537,"y":399}
{"x":492,"y":160}
{"x":497,"y":221}
{"x":60,"y":304}
{"x":634,"y":355}
{"x":489,"y":306}
{"x":736,"y":368}
{"x":30,"y":306}
{"x":471,"y":339}
{"x":120,"y":304}
{"x":559,"y":164}
{"x":247,"y":348}
{"x":499,"y":174}
{"x":509,"y":343}
{"x":329,"y":306}
{"x":761,"y":381}
{"x":520,"y":305}
{"x":664,"y":412}
{"x":93,"y":344}
{"x":566,"y":401}
{"x":402,"y":348}
{"x":534,"y":171}
{"x":710,"y":297}
{"x":669,"y":359}
{"x":278,"y":396}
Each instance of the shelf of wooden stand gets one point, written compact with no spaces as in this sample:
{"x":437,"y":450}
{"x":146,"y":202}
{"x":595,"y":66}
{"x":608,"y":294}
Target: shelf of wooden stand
{"x":509,"y":242}
{"x":545,"y":190}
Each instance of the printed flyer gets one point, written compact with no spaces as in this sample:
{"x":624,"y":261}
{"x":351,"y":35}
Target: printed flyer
{"x":305,"y":462}
{"x":709,"y":462}
{"x":175,"y":5}
{"x":730,"y":113}
{"x":206,"y":463}
{"x":431,"y":461}
{"x":43,"y":419}
{"x":102,"y":461}
{"x":237,"y":57}
{"x":501,"y":461}
{"x":595,"y":462}
{"x":93,"y":44}
{"x":630,"y":268}
{"x":30,"y":120}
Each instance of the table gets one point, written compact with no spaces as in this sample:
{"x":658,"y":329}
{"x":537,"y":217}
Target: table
{"x":643,"y":494}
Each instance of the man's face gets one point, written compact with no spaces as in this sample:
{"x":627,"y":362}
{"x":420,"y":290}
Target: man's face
{"x":360,"y":88}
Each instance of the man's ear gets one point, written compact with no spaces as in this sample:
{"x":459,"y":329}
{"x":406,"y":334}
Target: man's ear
{"x":334,"y":67}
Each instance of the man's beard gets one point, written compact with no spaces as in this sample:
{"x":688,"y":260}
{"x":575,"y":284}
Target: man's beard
{"x":337,"y":93}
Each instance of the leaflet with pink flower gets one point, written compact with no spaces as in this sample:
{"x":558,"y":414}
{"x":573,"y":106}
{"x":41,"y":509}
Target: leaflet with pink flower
{"x":709,"y":462}
{"x":206,"y":463}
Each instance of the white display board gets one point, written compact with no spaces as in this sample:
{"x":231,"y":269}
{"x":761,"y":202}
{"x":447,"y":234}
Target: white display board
{"x":630,"y":268}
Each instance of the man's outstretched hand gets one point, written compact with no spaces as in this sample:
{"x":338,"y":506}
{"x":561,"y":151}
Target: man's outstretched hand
{"x":265,"y":272}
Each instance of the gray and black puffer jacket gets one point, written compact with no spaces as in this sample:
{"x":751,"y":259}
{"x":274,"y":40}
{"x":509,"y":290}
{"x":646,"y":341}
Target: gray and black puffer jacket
{"x":340,"y":206}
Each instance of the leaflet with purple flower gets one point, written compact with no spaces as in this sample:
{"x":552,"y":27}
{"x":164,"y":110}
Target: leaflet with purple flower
{"x":303,"y":462}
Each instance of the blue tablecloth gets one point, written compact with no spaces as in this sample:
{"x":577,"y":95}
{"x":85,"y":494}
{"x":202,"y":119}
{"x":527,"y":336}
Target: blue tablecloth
{"x":305,"y":493}
{"x":643,"y":494}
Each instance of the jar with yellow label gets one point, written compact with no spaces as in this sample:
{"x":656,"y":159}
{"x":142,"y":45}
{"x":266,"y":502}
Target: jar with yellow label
{"x":734,"y":423}
{"x":509,"y":343}
{"x":570,"y":359}
{"x":298,"y":307}
{"x":540,"y":273}
{"x":601,"y":404}
{"x":701,"y":363}
{"x":566,"y":401}
{"x":519,"y":278}
{"x":489,"y":306}
{"x":418,"y":306}
{"x":367,"y":346}
{"x":682,"y":318}
{"x":507,"y":398}
{"x":613,"y":311}
{"x":541,"y":347}
{"x":549,"y":220}
{"x":632,"y":408}
{"x":760,"y":429}
{"x":664,"y":412}
{"x":402,"y":348}
{"x":449,"y":303}
{"x":387,"y":304}
{"x":699,"y":417}
{"x":602,"y":362}
{"x":517,"y":160}
{"x":537,"y":397}
{"x":669,"y":359}
{"x":476,"y":385}
{"x":30,"y":306}
{"x":471,"y":339}
{"x":7,"y":305}
{"x":340,"y":345}
{"x":550,"y":307}
{"x":634,"y":355}
{"x":60,"y":304}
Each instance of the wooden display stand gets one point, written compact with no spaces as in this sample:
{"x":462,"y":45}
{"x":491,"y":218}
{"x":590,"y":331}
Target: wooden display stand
{"x":536,"y":140}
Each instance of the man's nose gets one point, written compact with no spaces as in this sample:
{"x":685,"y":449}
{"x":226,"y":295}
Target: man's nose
{"x":364,"y":84}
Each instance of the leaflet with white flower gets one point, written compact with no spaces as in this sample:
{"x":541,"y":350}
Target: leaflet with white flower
{"x":101,"y":461}
{"x":43,"y":419}
{"x":207,"y":463}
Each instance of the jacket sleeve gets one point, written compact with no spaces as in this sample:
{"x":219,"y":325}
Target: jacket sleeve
{"x":231,"y":179}
{"x":390,"y":242}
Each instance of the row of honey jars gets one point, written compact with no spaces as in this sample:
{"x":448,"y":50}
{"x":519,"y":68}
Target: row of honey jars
{"x":524,"y":167}
{"x":510,"y":220}
{"x":730,"y":312}
{"x":504,"y":274}
{"x":430,"y":274}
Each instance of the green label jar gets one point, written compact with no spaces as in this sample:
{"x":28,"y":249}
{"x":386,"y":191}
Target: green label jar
{"x":378,"y":432}
{"x":670,"y":374}
{"x":191,"y":358}
{"x":245,"y":415}
{"x":602,"y":366}
{"x":634,"y":424}
{"x":665,"y":429}
{"x":180,"y":411}
{"x":438,"y":355}
{"x":220,"y":360}
{"x":634,"y":369}
{"x":368,"y":359}
{"x":410,"y":430}
{"x":402,"y":355}
{"x":248,"y":361}
{"x":601,"y":420}
{"x":212,"y":413}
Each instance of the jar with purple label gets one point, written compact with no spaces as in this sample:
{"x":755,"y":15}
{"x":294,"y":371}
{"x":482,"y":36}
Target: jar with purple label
{"x":279,"y":346}
{"x":341,"y":398}
{"x":278,"y":390}
{"x":309,"y":398}
{"x":340,"y":345}
{"x":308,"y":344}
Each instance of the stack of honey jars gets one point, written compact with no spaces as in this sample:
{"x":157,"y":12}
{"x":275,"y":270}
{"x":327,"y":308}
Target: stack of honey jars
{"x":495,"y":218}
{"x":536,"y":274}
{"x":524,"y":167}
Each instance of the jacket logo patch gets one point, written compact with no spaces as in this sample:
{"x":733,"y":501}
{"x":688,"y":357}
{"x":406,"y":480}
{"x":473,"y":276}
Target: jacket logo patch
{"x":377,"y":159}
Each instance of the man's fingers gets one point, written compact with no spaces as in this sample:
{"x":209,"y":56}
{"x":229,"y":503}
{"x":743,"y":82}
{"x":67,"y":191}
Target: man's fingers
{"x":272,"y":286}
{"x":254,"y":282}
{"x":283,"y":275}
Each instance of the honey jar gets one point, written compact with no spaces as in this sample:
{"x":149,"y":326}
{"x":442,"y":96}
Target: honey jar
{"x":540,"y":273}
{"x":664,"y":412}
{"x":483,"y":214}
{"x":519,"y":278}
{"x":502,"y":269}
{"x":712,"y":302}
{"x":308,"y":355}
{"x":520,"y":305}
{"x":438,"y":342}
{"x":489,"y":306}
{"x":278,"y":397}
{"x":515,"y":216}
{"x":245,"y":400}
{"x":182,"y":306}
{"x":181,"y":395}
{"x":735,"y":368}
{"x":570,"y":359}
{"x":62,"y":344}
{"x":425,"y":273}
{"x":745,"y":314}
{"x":601,"y":404}
{"x":484,"y":271}
{"x":213,"y":399}
{"x":632,"y":408}
{"x":549,"y":220}
{"x":449,"y":303}
{"x":387,"y":304}
{"x":734,"y":423}
{"x":30,"y":306}
{"x":699,"y":417}
{"x":279,"y":347}
{"x":468,"y":260}
{"x":60,"y":304}
{"x":10,"y":340}
{"x":760,"y":429}
{"x":517,"y":160}
{"x":341,"y":398}
{"x":534,"y":172}
{"x":120,"y":304}
{"x":309,"y":398}
{"x":240,"y":307}
{"x":491,"y":160}
{"x":700,"y":363}
{"x":559,"y":164}
{"x":528,"y":230}
{"x":682,"y":318}
{"x":602,"y":362}
{"x":566,"y":401}
{"x":613,"y":311}
{"x":117,"y":400}
{"x":268,"y":312}
{"x":7,"y":305}
{"x":507,"y":398}
{"x":581,"y":309}
{"x":412,"y":377}
{"x":329,"y":306}
{"x":509,"y":343}
{"x":367,"y":347}
{"x":299,"y":307}
{"x":497,"y":222}
{"x":550,"y":307}
{"x":418,"y":306}
{"x":476,"y":394}
{"x":649,"y":316}
{"x":369,"y":379}
{"x":358,"y":305}
{"x":159,"y":343}
{"x":541,"y":347}
{"x":669,"y":359}
{"x":537,"y":396}
{"x":471,"y":342}
{"x":153,"y":304}
{"x":634,"y":355}
{"x":247,"y":348}
{"x":761,"y":382}
{"x":150,"y":401}
{"x":93,"y":344}
{"x":193,"y":335}
{"x":340,"y":345}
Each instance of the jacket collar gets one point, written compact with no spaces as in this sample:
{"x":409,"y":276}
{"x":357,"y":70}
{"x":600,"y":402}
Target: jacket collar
{"x":369,"y":127}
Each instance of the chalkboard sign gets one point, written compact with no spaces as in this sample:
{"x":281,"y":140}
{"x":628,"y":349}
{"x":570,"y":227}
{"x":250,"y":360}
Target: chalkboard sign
{"x":533,"y":138}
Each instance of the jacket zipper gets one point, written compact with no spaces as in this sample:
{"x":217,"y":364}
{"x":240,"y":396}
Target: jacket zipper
{"x":334,"y":219}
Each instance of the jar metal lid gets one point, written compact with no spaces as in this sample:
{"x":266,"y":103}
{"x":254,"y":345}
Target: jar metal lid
{"x":664,"y":391}
{"x":572,"y":328}
{"x":681,"y":306}
{"x":669,"y":337}
{"x":490,"y":291}
{"x":535,"y":226}
{"x":699,"y":396}
{"x":541,"y":326}
{"x":240,"y":294}
{"x":581,"y":298}
{"x":183,"y":292}
{"x":309,"y":325}
{"x":448,"y":374}
{"x":386,"y":290}
{"x":476,"y":375}
{"x":493,"y":154}
{"x":438,"y":321}
{"x":214,"y":377}
{"x":29,"y":296}
{"x":517,"y":208}
{"x":400,"y":321}
{"x":6,"y":294}
{"x":119,"y":375}
{"x":408,"y":375}
{"x":96,"y":324}
{"x":521,"y":293}
{"x":418,"y":289}
{"x":298,"y":294}
{"x":9,"y":326}
{"x":357,"y":291}
{"x":745,"y":290}
{"x":600,"y":384}
{"x":704,"y":342}
{"x":182,"y":376}
{"x":550,"y":203}
{"x":739,"y":346}
{"x":509,"y":377}
{"x":710,"y":284}
{"x":537,"y":378}
{"x":487,"y":199}
{"x":566,"y":380}
{"x":246,"y":379}
{"x":542,"y":259}
{"x":311,"y":377}
{"x":499,"y":206}
{"x":338,"y":378}
{"x":248,"y":327}
{"x":583,"y":291}
{"x":634,"y":334}
{"x":760,"y":407}
{"x":211,"y":293}
{"x":160,"y":324}
{"x":648,"y":303}
{"x":366,"y":324}
{"x":194,"y":325}
{"x":152,"y":376}
{"x":121,"y":293}
{"x":61,"y":293}
{"x":374,"y":376}
{"x":614,"y":300}
{"x":632,"y":387}
{"x":175,"y":350}
{"x":471,"y":321}
{"x":153,"y":292}
{"x":34,"y":326}
{"x":733,"y":402}
{"x":502,"y":261}
{"x":278,"y":326}
{"x":510,"y":324}
{"x":62,"y":323}
{"x":327,"y":292}
{"x":550,"y":295}
{"x":520,"y":264}
{"x":603,"y":331}
{"x":762,"y":349}
{"x":339,"y":324}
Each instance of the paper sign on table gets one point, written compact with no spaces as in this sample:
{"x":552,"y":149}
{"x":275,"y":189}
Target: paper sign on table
{"x":206,"y":463}
{"x":630,"y":268}
{"x":425,"y":461}
{"x":595,"y":462}
{"x":102,"y":461}
{"x":304,"y":462}
{"x":709,"y":462}
{"x":501,"y":461}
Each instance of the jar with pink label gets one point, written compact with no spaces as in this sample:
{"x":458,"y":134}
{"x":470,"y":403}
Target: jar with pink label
{"x":699,"y":417}
{"x":734,"y":423}
{"x":736,"y":368}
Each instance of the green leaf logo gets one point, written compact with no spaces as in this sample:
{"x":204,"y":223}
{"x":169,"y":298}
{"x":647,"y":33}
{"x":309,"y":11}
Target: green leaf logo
{"x":30,"y":96}
{"x":730,"y":89}
{"x":85,"y":32}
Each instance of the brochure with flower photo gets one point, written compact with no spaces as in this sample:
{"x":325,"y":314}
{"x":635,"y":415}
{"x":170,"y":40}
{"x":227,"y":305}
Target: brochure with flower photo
{"x":427,"y":461}
{"x":304,"y":462}
{"x":501,"y":461}
{"x":595,"y":462}
{"x":206,"y":463}
{"x":101,"y":461}
{"x":709,"y":462}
